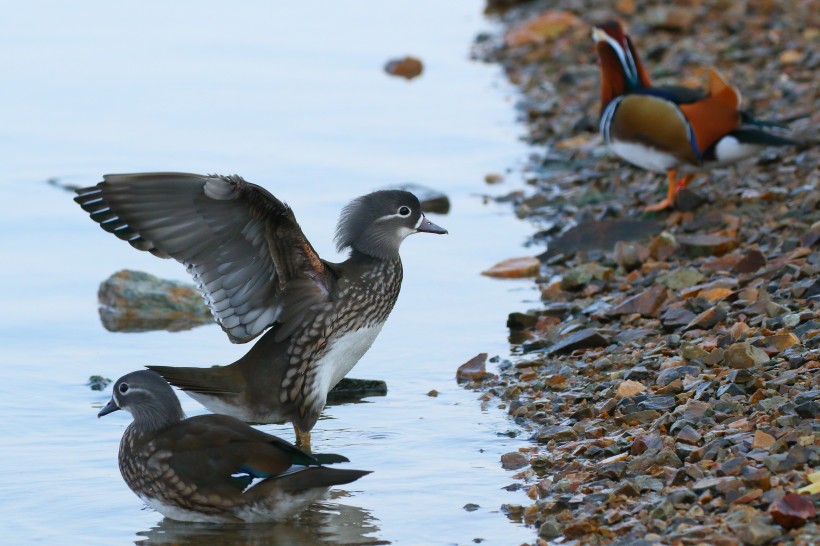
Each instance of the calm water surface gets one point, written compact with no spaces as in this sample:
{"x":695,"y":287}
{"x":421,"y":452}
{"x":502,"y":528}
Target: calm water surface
{"x":292,"y":96}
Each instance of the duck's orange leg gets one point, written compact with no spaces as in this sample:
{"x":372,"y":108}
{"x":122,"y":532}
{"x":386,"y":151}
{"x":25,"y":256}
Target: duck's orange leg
{"x":302,"y":438}
{"x":672,"y":193}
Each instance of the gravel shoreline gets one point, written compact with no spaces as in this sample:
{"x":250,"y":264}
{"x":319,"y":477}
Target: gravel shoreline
{"x":670,"y":377}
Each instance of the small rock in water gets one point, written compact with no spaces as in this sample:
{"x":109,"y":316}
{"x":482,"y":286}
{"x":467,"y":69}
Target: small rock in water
{"x":493,"y":178}
{"x":474,"y":369}
{"x":407,"y":67}
{"x":471,"y":507}
{"x":133,"y":301}
{"x":352,"y":390}
{"x":514,"y":460}
{"x":98,"y":382}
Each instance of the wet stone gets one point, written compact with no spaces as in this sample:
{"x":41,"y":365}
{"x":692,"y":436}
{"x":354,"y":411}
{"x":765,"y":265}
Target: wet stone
{"x":514,"y":460}
{"x":471,"y":507}
{"x":520,"y":321}
{"x":582,"y":339}
{"x":559,"y":433}
{"x":474,"y":369}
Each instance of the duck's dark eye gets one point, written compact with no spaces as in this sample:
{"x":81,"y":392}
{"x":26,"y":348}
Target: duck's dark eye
{"x":123,"y":388}
{"x":404,"y":211}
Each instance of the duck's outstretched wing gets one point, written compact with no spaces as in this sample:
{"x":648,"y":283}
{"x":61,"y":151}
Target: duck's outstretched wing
{"x":240,"y":243}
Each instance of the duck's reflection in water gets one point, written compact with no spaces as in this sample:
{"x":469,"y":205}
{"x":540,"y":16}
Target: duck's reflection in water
{"x":323,"y":523}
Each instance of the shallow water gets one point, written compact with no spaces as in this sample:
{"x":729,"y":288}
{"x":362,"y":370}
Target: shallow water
{"x":291,"y":96}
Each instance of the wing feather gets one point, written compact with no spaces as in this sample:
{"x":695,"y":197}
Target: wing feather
{"x":241,"y":245}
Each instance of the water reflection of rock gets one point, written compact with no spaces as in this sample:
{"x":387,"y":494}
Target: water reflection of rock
{"x":322,"y":523}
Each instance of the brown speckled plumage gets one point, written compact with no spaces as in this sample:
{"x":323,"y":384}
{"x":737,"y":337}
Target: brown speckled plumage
{"x":202,"y":468}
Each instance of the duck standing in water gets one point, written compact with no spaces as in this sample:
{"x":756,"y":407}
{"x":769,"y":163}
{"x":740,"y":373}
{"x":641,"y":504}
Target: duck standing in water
{"x":257,"y":271}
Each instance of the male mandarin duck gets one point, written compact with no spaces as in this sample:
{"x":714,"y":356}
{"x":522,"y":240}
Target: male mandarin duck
{"x":671,"y":128}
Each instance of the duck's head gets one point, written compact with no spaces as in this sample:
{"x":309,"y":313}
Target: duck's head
{"x":621,"y":68}
{"x":377,"y":223}
{"x":148,"y":398}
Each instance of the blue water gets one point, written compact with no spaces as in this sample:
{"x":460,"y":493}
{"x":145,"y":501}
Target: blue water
{"x":292,"y":96}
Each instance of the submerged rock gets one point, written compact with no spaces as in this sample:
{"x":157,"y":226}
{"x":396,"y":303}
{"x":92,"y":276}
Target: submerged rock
{"x":353,"y":390}
{"x":98,"y":382}
{"x":134,"y":301}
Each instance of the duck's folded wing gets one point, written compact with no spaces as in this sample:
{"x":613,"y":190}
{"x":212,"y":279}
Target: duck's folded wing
{"x":213,"y":448}
{"x":241,"y":244}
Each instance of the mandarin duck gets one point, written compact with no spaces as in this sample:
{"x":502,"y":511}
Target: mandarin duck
{"x":212,"y":468}
{"x":671,"y":128}
{"x":257,"y":271}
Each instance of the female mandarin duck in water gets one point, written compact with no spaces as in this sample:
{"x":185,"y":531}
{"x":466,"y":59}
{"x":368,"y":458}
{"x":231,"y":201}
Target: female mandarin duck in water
{"x":671,"y":128}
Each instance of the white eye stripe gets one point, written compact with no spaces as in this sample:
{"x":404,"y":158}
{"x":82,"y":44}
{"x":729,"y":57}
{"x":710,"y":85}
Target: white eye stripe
{"x":391,"y":216}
